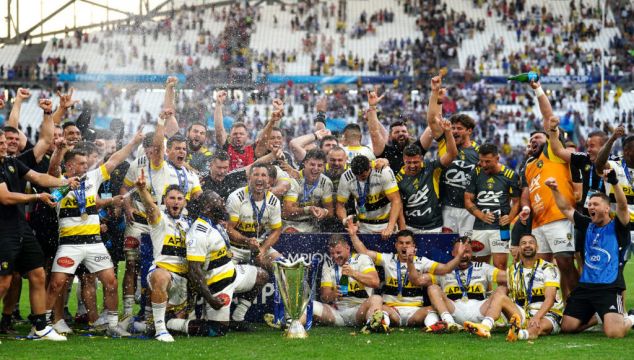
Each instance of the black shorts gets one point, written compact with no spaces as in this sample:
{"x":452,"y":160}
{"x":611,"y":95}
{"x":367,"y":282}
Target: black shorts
{"x":583,"y":303}
{"x":19,"y":250}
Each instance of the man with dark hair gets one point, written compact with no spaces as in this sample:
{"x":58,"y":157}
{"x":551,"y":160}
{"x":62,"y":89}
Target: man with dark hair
{"x":220,"y":180}
{"x":352,"y":143}
{"x":310,"y":198}
{"x":105,"y":141}
{"x":405,"y":276}
{"x":493,"y":197}
{"x":377,"y":197}
{"x":72,"y":135}
{"x":198,"y":155}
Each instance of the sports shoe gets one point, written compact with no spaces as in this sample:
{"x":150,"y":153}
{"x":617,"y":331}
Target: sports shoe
{"x":454,"y":328}
{"x":81,"y":319}
{"x":377,"y":323}
{"x":48,"y":333}
{"x":514,"y":331}
{"x":125,"y":322}
{"x":6,"y":327}
{"x":16,"y":315}
{"x":116,"y":331}
{"x":62,"y":328}
{"x":478,"y":329}
{"x":269,"y":319}
{"x":164,"y":336}
{"x":439,"y":327}
{"x":68,"y":317}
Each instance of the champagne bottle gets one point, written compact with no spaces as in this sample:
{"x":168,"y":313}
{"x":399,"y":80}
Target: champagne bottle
{"x":343,"y":285}
{"x":60,"y":192}
{"x":525,"y":77}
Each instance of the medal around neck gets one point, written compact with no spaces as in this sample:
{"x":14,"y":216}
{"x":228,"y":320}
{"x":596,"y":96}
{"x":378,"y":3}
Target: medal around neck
{"x":292,"y":281}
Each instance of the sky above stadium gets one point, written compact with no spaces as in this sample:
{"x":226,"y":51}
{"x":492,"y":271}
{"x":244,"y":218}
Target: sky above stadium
{"x":77,"y":14}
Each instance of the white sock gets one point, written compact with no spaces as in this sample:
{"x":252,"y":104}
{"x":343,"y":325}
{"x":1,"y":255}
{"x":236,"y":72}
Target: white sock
{"x":113,"y":318}
{"x":488,"y":322}
{"x":431,"y":318}
{"x":179,"y":325}
{"x":523,"y":334}
{"x":599,"y":321}
{"x":128,"y":304}
{"x":241,"y":310}
{"x":446,"y":317}
{"x":49,"y":317}
{"x":158,"y":312}
{"x":386,"y":318}
{"x":631,"y":318}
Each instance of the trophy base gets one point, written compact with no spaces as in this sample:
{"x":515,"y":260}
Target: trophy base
{"x":296,"y":331}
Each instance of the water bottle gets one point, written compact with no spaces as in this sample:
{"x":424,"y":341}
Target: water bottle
{"x":343,"y":285}
{"x":60,"y":192}
{"x":525,"y":77}
{"x":505,"y":232}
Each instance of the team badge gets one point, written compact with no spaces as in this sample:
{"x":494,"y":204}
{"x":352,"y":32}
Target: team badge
{"x":587,"y":168}
{"x":490,"y":186}
{"x":11,"y":169}
{"x":540,"y":164}
{"x":4,"y":265}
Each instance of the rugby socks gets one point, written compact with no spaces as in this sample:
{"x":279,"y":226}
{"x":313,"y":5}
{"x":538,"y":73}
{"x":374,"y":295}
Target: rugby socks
{"x":179,"y":325}
{"x":7,"y":319}
{"x":431,"y":318}
{"x":488,"y":322}
{"x":241,"y":310}
{"x":49,"y":317}
{"x":128,"y":304}
{"x":446,"y":317}
{"x":113,"y":318}
{"x":631,"y":318}
{"x":38,"y":321}
{"x":523,"y":335}
{"x":158,"y":312}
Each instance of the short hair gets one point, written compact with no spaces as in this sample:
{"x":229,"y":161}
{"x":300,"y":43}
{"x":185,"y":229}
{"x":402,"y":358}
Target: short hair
{"x":405,"y":233}
{"x":178,"y":138}
{"x":397,"y":123}
{"x":529,"y":235}
{"x":315,"y":154}
{"x":537,"y":132}
{"x":336,"y":239}
{"x":221,"y":155}
{"x":1,"y":132}
{"x":463,"y":119}
{"x":275,"y":128}
{"x":352,"y":127}
{"x":257,"y":166}
{"x":211,"y":204}
{"x":148,"y":139}
{"x":359,"y":164}
{"x":327,"y":138}
{"x":69,"y":124}
{"x":71,"y":154}
{"x":462,"y":239}
{"x":488,"y":149}
{"x":239,"y":124}
{"x":272,"y":169}
{"x":412,"y":150}
{"x":601,"y":195}
{"x":11,"y":129}
{"x":86,"y":147}
{"x":172,"y":188}
{"x":627,"y":141}
{"x":599,"y":133}
{"x":196,"y":123}
{"x":337,"y":148}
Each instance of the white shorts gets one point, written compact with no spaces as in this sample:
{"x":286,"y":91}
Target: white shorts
{"x":468,"y":311}
{"x":177,"y":289}
{"x":491,"y":241}
{"x":555,"y":237}
{"x":344,"y":315}
{"x":554,"y":319}
{"x":94,"y":256}
{"x":243,"y":256}
{"x":405,"y":313}
{"x":459,"y":220}
{"x":132,"y":240}
{"x":421,"y":231}
{"x":223,"y":313}
{"x":246,"y":275}
{"x":365,"y":228}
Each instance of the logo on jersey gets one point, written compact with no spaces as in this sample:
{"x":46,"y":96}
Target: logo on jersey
{"x":226,"y":300}
{"x":65,"y":262}
{"x":540,"y":164}
{"x":11,"y":169}
{"x":476,"y":246}
{"x":4,"y":265}
{"x":489,"y":198}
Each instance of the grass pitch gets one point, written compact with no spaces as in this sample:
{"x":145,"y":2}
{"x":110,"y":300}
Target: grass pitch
{"x":323,"y":342}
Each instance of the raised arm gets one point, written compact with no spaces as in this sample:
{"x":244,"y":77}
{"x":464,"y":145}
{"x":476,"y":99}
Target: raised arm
{"x":46,"y":131}
{"x":14,"y":117}
{"x":158,"y":141}
{"x":622,"y":210}
{"x":221,"y":133}
{"x":298,"y":144}
{"x":358,"y":245}
{"x":443,"y":269}
{"x":55,"y":163}
{"x":556,"y":145}
{"x":544,"y":104}
{"x":606,"y":149}
{"x":169,"y":102}
{"x":452,"y":151}
{"x":120,"y":156}
{"x":434,"y":108}
{"x":378,"y":134}
{"x":415,"y":277}
{"x":563,"y":205}
{"x":151,"y":209}
{"x":276,"y":115}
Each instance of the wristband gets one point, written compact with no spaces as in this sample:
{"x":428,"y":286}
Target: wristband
{"x":48,"y":112}
{"x":321,"y":117}
{"x":526,"y":208}
{"x":539,"y":92}
{"x":161,"y":121}
{"x":315,"y":135}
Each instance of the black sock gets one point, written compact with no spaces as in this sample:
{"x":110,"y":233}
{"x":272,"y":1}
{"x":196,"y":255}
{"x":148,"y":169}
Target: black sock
{"x":205,"y":328}
{"x":39,"y":321}
{"x":6,"y":319}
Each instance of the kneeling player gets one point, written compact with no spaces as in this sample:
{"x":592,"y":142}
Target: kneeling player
{"x":346,"y":287}
{"x":402,"y":295}
{"x":461,"y":295}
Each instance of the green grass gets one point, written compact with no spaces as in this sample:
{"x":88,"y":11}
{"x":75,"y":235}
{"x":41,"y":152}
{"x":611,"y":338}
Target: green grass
{"x":324,"y":343}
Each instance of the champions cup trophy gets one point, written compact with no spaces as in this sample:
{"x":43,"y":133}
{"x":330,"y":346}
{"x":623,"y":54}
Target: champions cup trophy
{"x":294,"y":289}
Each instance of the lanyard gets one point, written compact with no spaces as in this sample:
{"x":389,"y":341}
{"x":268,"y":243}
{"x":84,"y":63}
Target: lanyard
{"x":600,"y":178}
{"x":529,"y":287}
{"x":307,"y":192}
{"x":215,"y":226}
{"x":182,"y":178}
{"x":627,"y":172}
{"x":464,"y":287}
{"x":80,"y":196}
{"x":258,"y":213}
{"x":366,"y":190}
{"x":402,"y":280}
{"x":149,"y":172}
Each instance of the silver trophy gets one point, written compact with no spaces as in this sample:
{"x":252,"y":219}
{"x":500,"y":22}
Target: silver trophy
{"x":294,"y":289}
